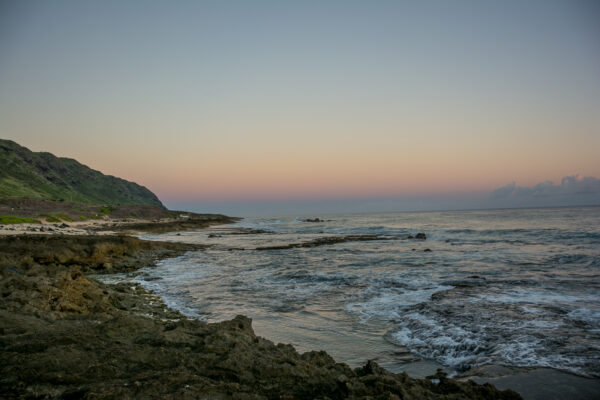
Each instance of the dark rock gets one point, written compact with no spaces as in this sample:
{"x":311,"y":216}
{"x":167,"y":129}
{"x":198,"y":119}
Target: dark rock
{"x":63,"y":225}
{"x":92,"y":253}
{"x":327,"y":241}
{"x":11,"y":269}
{"x":475,"y":277}
{"x":427,"y":250}
{"x":245,"y":231}
{"x":439,"y":375}
{"x":421,"y":236}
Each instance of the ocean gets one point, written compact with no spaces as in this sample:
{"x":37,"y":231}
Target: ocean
{"x":518,"y":287}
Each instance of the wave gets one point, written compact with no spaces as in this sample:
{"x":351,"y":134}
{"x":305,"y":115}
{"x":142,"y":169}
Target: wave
{"x":465,"y":345}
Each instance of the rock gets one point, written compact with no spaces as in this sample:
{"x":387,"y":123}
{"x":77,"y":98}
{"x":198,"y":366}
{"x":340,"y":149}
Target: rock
{"x":420,"y":236}
{"x":427,"y":250}
{"x":92,"y":253}
{"x":63,"y":225}
{"x":11,"y":269}
{"x":475,"y":277}
{"x":108,"y":267}
{"x":322,"y":241}
{"x":244,"y":231}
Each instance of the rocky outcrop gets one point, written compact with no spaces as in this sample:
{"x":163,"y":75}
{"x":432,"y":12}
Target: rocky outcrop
{"x":329,"y":240}
{"x":91,"y":253}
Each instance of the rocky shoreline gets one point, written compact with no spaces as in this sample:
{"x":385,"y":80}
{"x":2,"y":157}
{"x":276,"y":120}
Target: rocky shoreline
{"x":64,"y":334}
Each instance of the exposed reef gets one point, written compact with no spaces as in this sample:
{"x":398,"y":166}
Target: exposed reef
{"x":323,"y":241}
{"x":329,"y":240}
{"x":90,"y":253}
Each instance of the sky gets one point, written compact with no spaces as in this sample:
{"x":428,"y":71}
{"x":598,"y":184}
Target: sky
{"x":313,"y":106}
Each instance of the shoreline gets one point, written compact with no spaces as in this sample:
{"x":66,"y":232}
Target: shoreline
{"x":532,"y":382}
{"x":112,"y":226}
{"x":66,"y":334}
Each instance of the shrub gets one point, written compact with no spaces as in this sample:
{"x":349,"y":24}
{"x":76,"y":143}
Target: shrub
{"x":8,"y":219}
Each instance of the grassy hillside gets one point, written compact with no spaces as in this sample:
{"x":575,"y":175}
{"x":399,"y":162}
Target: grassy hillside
{"x":26,"y":174}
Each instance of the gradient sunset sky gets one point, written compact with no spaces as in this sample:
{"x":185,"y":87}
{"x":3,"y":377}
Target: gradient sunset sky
{"x":210,"y":103}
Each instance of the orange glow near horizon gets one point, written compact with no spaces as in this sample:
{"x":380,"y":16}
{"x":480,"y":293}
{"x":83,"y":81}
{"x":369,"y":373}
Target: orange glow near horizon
{"x":314,"y":176}
{"x":262,"y":166}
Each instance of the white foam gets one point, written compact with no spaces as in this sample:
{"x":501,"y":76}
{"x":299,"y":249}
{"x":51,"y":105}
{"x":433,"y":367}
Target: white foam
{"x":450,"y":345}
{"x":518,"y":296}
{"x":389,"y":302}
{"x":462,"y":345}
{"x":586,"y":315}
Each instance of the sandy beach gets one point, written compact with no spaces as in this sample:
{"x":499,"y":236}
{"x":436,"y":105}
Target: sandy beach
{"x":110,"y":226}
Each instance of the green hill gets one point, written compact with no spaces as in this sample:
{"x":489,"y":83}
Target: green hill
{"x":27,"y":174}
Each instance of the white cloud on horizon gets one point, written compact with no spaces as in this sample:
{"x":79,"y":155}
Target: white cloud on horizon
{"x":572,"y":190}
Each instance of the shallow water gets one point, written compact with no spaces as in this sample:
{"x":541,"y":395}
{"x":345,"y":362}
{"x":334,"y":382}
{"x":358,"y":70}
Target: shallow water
{"x":510,"y":287}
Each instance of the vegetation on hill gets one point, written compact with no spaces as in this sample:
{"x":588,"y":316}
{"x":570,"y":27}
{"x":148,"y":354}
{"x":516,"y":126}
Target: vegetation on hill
{"x":27,"y":174}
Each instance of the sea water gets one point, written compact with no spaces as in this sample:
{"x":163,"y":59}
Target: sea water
{"x":509,"y":287}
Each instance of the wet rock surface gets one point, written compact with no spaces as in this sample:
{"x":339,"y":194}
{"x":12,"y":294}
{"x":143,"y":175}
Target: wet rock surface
{"x":324,"y":241}
{"x":65,"y":335}
{"x":246,"y":231}
{"x":91,"y":253}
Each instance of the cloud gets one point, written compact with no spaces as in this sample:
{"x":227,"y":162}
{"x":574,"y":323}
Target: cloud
{"x":572,"y":190}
